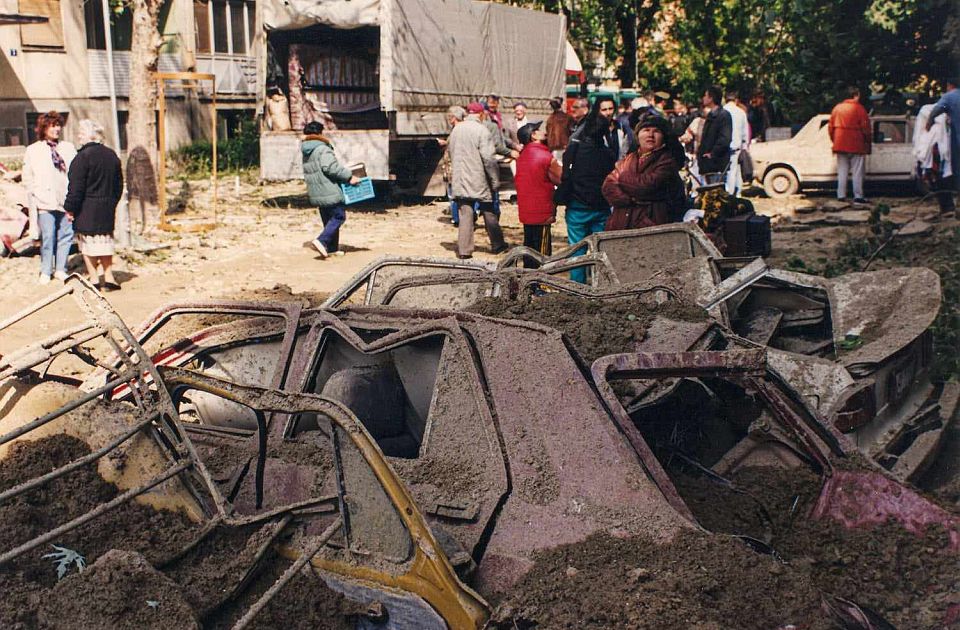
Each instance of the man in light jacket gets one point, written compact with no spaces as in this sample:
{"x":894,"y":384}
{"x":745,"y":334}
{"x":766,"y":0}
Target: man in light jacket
{"x":323,"y":173}
{"x":45,"y":166}
{"x":739,"y":141}
{"x":476,"y":180}
{"x":849,"y":129}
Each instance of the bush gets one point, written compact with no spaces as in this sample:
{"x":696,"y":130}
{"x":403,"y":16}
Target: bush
{"x":238,"y":153}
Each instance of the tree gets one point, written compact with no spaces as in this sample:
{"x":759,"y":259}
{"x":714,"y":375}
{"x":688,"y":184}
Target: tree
{"x":141,"y":126}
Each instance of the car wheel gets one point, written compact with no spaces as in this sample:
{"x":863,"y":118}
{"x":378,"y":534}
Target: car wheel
{"x":780,"y":182}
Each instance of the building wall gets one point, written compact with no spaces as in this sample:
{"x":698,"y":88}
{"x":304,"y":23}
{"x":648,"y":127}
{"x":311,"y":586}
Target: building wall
{"x":74,"y":80}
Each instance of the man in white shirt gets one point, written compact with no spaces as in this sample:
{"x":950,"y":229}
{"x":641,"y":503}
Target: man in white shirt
{"x":739,"y":140}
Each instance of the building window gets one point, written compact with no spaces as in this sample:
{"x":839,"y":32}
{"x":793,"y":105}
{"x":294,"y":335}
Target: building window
{"x":42,"y":36}
{"x":32,"y":126}
{"x":121,"y":26}
{"x":12,"y":136}
{"x":232,"y":26}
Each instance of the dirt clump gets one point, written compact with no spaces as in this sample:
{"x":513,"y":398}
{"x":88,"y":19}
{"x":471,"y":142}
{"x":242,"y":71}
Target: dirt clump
{"x":696,"y":581}
{"x":911,"y":580}
{"x":137,"y":575}
{"x":120,"y":590}
{"x":596,"y":327}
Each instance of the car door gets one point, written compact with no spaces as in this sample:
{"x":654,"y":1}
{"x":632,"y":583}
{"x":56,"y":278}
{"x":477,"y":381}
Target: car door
{"x":892,"y":154}
{"x":357,"y":524}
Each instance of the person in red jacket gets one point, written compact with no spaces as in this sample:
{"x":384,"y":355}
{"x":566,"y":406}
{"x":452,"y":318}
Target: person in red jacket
{"x":850,"y":132}
{"x":538,"y":172}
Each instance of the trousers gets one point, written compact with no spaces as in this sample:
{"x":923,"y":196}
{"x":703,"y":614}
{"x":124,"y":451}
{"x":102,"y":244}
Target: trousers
{"x":537,"y":237}
{"x":56,"y":237}
{"x":581,"y":223}
{"x":491,"y":222}
{"x":333,"y":217}
{"x":850,"y":165}
{"x":734,"y":183}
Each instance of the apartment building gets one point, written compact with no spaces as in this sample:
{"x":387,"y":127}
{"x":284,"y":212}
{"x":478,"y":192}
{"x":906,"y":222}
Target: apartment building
{"x":63,"y":65}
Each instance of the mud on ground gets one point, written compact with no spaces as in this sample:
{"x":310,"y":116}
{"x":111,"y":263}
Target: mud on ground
{"x":136,"y":576}
{"x":595,"y":327}
{"x":702,"y":581}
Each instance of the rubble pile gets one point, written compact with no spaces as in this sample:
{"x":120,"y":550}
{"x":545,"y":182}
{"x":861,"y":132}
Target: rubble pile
{"x":128,"y":580}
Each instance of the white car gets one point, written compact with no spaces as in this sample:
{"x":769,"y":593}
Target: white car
{"x":784,"y":167}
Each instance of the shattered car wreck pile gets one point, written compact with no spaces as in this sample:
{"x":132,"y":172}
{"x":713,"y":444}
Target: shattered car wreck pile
{"x":450,"y":445}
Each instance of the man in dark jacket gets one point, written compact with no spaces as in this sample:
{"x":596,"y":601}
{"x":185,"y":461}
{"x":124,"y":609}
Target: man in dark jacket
{"x":713,"y":155}
{"x":591,"y":155}
{"x":95,"y":185}
{"x":323,"y":173}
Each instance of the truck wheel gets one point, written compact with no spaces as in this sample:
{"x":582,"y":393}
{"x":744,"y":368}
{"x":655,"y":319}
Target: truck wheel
{"x":780,"y":182}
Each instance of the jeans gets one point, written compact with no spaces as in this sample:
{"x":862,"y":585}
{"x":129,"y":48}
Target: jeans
{"x":56,"y":237}
{"x":850,"y":164}
{"x":454,"y":207}
{"x":581,"y":223}
{"x":333,"y":217}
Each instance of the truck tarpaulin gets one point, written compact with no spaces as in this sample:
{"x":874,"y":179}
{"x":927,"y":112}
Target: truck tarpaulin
{"x":434,"y":53}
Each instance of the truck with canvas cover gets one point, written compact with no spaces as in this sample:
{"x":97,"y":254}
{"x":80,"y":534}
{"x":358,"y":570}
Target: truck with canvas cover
{"x":380,"y":75}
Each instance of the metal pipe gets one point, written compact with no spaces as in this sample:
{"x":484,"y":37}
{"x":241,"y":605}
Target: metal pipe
{"x":288,"y":575}
{"x":53,"y":534}
{"x":83,"y":461}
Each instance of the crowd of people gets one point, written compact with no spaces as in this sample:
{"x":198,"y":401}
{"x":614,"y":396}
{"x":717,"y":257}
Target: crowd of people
{"x":612,"y":166}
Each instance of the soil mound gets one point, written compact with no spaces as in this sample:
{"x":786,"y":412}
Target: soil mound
{"x":595,"y":327}
{"x":122,"y":591}
{"x":704,"y":581}
{"x":122,"y":586}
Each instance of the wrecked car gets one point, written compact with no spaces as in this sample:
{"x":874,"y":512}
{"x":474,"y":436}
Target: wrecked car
{"x":409,"y":456}
{"x":864,"y":338}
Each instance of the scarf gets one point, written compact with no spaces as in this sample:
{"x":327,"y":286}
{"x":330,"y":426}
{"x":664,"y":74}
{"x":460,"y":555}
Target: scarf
{"x":58,"y":161}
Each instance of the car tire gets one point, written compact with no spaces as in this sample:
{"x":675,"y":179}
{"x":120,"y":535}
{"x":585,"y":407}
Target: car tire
{"x":780,"y":182}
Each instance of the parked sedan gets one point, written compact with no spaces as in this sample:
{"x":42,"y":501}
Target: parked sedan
{"x":784,"y":167}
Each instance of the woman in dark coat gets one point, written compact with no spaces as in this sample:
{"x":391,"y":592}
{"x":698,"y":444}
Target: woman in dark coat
{"x":645,"y":188}
{"x":95,"y":184}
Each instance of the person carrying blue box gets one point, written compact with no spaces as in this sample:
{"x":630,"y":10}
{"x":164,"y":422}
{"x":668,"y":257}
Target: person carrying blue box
{"x":323,"y":173}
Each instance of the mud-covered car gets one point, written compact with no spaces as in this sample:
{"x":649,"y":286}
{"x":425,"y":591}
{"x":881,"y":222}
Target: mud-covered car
{"x":864,"y":338}
{"x":419,"y":460}
{"x":785,"y":167}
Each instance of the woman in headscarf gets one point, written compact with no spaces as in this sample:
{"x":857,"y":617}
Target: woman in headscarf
{"x":645,"y":188}
{"x":96,"y":185}
{"x":45,"y":167}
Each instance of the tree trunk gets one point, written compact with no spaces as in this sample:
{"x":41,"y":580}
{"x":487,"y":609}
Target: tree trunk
{"x":627,"y":25}
{"x":141,"y":125}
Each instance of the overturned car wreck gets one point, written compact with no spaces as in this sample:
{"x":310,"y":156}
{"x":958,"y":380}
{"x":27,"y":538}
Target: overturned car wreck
{"x":419,"y":460}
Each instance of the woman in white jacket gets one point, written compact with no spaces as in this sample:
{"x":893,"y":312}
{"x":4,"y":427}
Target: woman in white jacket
{"x":45,"y":166}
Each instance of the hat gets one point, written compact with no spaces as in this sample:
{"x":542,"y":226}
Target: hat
{"x":526,"y":132}
{"x":474,"y":108}
{"x":653,"y":120}
{"x":663,"y":95}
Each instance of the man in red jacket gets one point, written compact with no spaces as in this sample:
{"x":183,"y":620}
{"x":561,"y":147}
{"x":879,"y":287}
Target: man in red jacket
{"x":538,"y":172}
{"x":850,"y":132}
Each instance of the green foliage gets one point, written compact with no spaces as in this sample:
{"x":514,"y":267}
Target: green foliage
{"x":801,"y":53}
{"x":238,"y":153}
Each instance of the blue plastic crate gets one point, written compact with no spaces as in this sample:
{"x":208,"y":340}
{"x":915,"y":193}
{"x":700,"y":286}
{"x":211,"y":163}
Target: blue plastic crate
{"x":358,"y":193}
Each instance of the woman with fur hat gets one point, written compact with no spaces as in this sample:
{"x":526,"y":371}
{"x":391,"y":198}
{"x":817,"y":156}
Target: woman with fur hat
{"x":645,"y":188}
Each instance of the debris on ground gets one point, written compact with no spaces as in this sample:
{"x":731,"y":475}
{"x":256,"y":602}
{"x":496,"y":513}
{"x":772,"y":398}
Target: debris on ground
{"x":595,"y":327}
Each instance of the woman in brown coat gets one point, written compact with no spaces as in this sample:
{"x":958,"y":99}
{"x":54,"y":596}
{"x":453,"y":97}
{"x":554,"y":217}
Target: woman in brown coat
{"x":645,"y":188}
